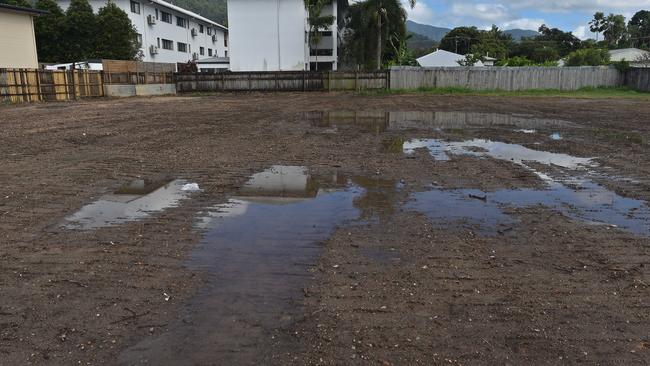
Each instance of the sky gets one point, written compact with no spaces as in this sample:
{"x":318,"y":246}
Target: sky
{"x":568,"y":15}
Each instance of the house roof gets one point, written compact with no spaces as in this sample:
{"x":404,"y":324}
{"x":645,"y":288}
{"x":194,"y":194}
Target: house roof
{"x":629,"y":54}
{"x":20,"y":9}
{"x":442,"y":58}
{"x":189,"y":13}
{"x":214,"y":60}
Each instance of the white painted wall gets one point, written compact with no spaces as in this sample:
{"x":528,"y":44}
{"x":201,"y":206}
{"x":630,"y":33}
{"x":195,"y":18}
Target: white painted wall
{"x":151,"y":33}
{"x":267,"y":35}
{"x":17,"y":42}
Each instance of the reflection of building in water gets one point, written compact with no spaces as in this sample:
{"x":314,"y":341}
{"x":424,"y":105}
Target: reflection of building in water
{"x":134,"y":201}
{"x":379,"y":121}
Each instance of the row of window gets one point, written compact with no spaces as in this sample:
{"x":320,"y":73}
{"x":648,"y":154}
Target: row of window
{"x":167,"y":18}
{"x":167,"y":44}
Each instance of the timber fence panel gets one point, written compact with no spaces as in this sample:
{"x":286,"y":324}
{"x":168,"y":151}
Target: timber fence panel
{"x":638,"y":79}
{"x":506,"y":78}
{"x":30,"y":85}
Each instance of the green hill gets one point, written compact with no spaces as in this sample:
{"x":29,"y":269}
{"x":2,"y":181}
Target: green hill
{"x":211,"y":9}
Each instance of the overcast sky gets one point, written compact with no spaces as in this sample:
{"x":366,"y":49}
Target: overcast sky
{"x":569,"y":15}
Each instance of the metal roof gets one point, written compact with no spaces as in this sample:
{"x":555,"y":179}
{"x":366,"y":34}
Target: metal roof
{"x":20,"y":9}
{"x":214,"y":60}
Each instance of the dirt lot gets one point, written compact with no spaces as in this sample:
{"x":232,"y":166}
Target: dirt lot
{"x":389,"y":284}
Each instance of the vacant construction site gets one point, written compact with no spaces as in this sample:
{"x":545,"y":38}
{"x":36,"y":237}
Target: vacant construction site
{"x":325,"y":228}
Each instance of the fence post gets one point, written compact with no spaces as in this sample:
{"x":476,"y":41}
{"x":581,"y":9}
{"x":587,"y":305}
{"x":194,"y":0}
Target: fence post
{"x":39,"y":93}
{"x":304,"y":76}
{"x":329,"y":81}
{"x":74,"y":86}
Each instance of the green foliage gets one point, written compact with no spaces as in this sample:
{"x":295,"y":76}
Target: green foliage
{"x":80,"y":31}
{"x":22,"y":3}
{"x":49,"y":32}
{"x":614,"y":29}
{"x":460,"y":40}
{"x":211,"y":9}
{"x":493,"y":43}
{"x":639,"y":29}
{"x":519,"y":61}
{"x":469,"y":60}
{"x":403,"y":56}
{"x":622,"y":65}
{"x":370,"y":26}
{"x":563,"y":42}
{"x":117,"y":37}
{"x":588,"y":57}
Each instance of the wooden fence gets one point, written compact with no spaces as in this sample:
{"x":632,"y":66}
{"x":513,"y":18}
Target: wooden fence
{"x":638,"y":79}
{"x":30,"y":85}
{"x":137,"y":73}
{"x":283,"y":81}
{"x":506,"y":78}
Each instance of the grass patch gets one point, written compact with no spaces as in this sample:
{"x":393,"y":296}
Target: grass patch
{"x":604,"y":92}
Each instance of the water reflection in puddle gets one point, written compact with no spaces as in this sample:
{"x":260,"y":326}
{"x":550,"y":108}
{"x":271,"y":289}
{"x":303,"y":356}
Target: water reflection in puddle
{"x":577,"y":196}
{"x":380,"y":121}
{"x":134,"y":201}
{"x":517,"y":154}
{"x":257,"y":251}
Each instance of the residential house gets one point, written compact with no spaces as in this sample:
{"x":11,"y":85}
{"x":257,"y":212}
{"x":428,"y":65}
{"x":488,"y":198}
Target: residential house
{"x":273,"y":35}
{"x":636,"y":57}
{"x":17,"y":39}
{"x":442,"y":58}
{"x":169,"y":33}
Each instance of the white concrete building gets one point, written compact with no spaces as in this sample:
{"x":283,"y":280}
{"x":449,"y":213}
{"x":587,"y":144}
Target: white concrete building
{"x":273,"y":35}
{"x":168,"y":33}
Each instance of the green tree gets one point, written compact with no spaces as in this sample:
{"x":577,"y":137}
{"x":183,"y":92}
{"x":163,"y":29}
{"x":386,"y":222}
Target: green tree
{"x":116,"y":37}
{"x":460,"y":40}
{"x":493,"y":43}
{"x":80,"y":31}
{"x":588,"y":57}
{"x":370,"y":26}
{"x":596,"y":24}
{"x":49,"y":28}
{"x":639,"y":29}
{"x":563,"y":42}
{"x":317,"y":23}
{"x":22,"y":3}
{"x":614,"y":29}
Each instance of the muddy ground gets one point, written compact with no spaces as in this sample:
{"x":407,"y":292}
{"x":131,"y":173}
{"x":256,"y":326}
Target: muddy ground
{"x":391,"y":287}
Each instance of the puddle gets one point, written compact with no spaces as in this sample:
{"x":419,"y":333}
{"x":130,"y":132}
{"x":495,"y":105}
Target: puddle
{"x":134,"y":201}
{"x":555,"y":136}
{"x":514,"y":153}
{"x":576,"y":196}
{"x":526,"y":131}
{"x":257,"y":251}
{"x":379,"y":121}
{"x":584,"y":200}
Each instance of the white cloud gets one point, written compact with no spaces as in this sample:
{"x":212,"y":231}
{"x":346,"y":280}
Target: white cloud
{"x":523,"y":23}
{"x":421,"y":13}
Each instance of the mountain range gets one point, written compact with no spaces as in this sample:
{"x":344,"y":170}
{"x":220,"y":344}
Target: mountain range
{"x":435,"y":34}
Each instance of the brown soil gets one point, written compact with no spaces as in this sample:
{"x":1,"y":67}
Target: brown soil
{"x":390,"y":291}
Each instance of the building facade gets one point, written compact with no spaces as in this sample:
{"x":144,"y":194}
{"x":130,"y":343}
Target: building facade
{"x":168,"y":33}
{"x":17,"y":38}
{"x":273,"y":35}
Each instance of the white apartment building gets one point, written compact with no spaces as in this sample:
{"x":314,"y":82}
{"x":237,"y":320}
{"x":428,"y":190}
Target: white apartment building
{"x":168,"y":33}
{"x":273,"y":35}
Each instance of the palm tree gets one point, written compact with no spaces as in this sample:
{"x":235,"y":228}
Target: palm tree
{"x":381,"y":13}
{"x":370,"y":24}
{"x":317,"y":23}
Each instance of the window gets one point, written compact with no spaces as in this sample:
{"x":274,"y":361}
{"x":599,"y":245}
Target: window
{"x":225,"y":40}
{"x":201,"y":51}
{"x":138,"y":38}
{"x":158,"y":42}
{"x":135,"y":7}
{"x":167,"y":44}
{"x":225,"y":53}
{"x":326,"y":34}
{"x":210,"y":52}
{"x":181,"y":22}
{"x":209,"y":31}
{"x":182,"y":47}
{"x":156,"y":14}
{"x":200,"y":28}
{"x":166,"y":17}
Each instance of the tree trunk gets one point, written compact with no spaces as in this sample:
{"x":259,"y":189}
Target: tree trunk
{"x":378,"y":39}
